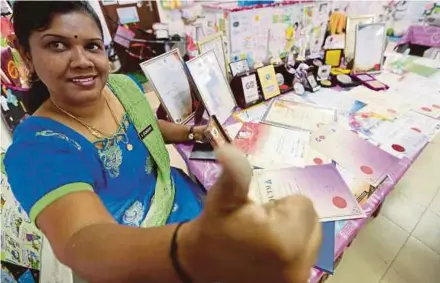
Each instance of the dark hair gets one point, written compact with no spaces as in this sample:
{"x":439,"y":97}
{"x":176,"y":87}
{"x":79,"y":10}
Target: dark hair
{"x":31,"y":16}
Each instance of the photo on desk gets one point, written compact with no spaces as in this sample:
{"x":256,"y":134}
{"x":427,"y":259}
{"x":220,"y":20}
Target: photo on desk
{"x":370,"y":43}
{"x":213,"y":88}
{"x":239,"y":67}
{"x":215,"y":43}
{"x":171,"y":84}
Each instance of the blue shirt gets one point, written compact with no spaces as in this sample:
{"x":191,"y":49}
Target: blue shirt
{"x":47,"y":155}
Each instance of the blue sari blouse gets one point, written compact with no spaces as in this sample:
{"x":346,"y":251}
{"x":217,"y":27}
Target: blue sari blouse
{"x":47,"y":157}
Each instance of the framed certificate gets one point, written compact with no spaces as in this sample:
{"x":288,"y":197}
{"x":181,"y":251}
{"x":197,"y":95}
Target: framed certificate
{"x":350,"y":33}
{"x":212,"y":86}
{"x":171,"y":83}
{"x":215,"y":42}
{"x":268,"y":81}
{"x":239,"y":67}
{"x":369,"y":48}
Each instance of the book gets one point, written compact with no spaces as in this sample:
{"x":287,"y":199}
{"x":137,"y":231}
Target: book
{"x":326,"y":255}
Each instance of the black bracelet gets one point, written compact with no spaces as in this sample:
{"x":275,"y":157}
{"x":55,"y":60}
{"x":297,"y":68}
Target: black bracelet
{"x":174,"y":257}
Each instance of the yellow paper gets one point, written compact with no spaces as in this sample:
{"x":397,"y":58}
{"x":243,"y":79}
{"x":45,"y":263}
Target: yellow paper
{"x":269,"y":83}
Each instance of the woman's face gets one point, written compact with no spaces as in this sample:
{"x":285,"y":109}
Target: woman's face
{"x":69,"y":57}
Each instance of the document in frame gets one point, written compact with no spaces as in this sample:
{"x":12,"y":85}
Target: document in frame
{"x":214,"y":89}
{"x":296,"y":115}
{"x":331,"y":197}
{"x":357,"y":155}
{"x":170,"y":81}
{"x":273,"y":147}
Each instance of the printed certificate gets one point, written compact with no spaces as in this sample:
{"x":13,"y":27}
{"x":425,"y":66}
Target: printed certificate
{"x":272,"y":147}
{"x":291,"y":114}
{"x":213,"y":88}
{"x":330,"y":195}
{"x":170,"y":82}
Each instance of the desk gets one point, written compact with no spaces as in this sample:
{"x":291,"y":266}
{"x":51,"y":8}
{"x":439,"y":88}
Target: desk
{"x":207,"y":173}
{"x":422,"y":35}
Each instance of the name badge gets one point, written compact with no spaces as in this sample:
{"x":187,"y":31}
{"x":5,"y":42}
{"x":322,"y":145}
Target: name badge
{"x":145,"y":132}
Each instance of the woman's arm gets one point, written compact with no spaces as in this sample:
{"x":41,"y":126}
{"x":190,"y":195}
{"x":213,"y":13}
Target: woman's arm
{"x":176,"y":133}
{"x":85,"y":237}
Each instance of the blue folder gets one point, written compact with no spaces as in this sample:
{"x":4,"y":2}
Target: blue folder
{"x":326,"y":256}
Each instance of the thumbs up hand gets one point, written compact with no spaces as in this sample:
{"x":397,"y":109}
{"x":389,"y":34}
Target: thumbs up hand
{"x":237,"y":241}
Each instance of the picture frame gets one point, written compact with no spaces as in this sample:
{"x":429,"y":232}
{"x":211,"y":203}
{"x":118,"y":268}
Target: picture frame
{"x":268,"y":81}
{"x":216,"y":134}
{"x":239,"y":66}
{"x":333,"y":57}
{"x":370,"y":43}
{"x":215,"y":42}
{"x":213,"y":88}
{"x":172,"y":85}
{"x":350,"y":33}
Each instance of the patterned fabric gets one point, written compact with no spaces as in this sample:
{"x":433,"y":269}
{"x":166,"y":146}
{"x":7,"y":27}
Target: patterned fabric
{"x":48,"y":160}
{"x":142,"y":116}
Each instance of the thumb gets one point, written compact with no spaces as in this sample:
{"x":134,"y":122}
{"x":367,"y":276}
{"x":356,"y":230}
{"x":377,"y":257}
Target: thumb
{"x":231,"y":189}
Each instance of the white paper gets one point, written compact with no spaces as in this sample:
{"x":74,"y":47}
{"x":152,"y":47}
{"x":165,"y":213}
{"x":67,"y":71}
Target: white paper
{"x":233,"y":129}
{"x":128,"y":15}
{"x":250,"y":88}
{"x":252,"y":114}
{"x":168,"y":76}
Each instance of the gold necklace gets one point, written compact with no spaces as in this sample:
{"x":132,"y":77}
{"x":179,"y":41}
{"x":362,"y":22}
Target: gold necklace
{"x":94,"y":131}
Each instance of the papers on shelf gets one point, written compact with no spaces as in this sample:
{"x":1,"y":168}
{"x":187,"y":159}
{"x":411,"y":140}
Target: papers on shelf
{"x":330,"y":195}
{"x":296,"y":115}
{"x":252,"y":114}
{"x":363,"y":159}
{"x":273,"y":147}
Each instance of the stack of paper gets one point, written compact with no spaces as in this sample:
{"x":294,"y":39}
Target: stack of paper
{"x":330,"y":195}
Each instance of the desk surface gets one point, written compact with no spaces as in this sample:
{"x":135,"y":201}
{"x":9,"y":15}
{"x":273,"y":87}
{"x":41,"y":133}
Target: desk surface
{"x":207,"y":173}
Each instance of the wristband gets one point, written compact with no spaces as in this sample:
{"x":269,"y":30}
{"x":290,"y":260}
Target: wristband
{"x":184,"y":277}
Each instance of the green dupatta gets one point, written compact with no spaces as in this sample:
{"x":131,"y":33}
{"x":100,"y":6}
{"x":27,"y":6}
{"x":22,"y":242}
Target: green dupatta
{"x":144,"y":120}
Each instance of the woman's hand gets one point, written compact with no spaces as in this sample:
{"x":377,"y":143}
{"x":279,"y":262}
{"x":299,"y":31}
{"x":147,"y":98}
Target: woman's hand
{"x":237,"y":241}
{"x":199,"y":133}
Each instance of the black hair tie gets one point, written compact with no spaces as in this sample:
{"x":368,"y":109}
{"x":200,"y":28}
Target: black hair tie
{"x":184,"y":277}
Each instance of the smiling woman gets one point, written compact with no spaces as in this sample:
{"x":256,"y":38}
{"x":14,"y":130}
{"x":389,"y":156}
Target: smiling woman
{"x":91,"y":169}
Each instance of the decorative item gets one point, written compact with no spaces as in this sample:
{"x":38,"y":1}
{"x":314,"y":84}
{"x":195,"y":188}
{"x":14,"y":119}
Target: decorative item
{"x":239,"y":67}
{"x":333,"y":57}
{"x":323,"y":72}
{"x":268,"y":81}
{"x":171,"y":84}
{"x":350,"y":33}
{"x":298,"y":88}
{"x":215,"y":43}
{"x":346,"y":80}
{"x":212,"y":86}
{"x":370,"y":45}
